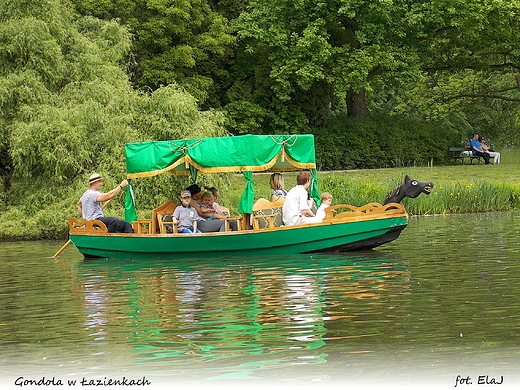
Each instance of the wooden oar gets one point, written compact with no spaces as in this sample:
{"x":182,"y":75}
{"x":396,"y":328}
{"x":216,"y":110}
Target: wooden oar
{"x":62,"y":248}
{"x":68,"y":242}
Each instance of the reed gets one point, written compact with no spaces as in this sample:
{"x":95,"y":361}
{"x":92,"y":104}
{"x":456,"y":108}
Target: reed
{"x":466,"y":198}
{"x":451,"y":198}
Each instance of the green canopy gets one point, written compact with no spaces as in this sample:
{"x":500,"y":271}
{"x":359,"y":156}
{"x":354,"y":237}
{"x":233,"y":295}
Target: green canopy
{"x":246,"y":153}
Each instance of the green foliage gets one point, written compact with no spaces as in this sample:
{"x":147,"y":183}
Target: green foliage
{"x":327,"y":50}
{"x":67,"y":108}
{"x":445,"y":98}
{"x":381,"y":141}
{"x":182,"y":42}
{"x":295,"y":63}
{"x":171,"y":113}
{"x":67,"y":103}
{"x":244,"y":117}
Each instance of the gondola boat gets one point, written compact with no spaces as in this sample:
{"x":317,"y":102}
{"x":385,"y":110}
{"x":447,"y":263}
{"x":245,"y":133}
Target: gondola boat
{"x":345,"y":227}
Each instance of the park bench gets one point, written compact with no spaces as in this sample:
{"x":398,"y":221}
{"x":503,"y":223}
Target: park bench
{"x":462,"y":154}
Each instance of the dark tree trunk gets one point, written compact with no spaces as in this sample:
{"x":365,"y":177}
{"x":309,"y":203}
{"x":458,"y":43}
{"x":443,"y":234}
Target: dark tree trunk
{"x":6,"y":180}
{"x":6,"y":185}
{"x":356,"y":105}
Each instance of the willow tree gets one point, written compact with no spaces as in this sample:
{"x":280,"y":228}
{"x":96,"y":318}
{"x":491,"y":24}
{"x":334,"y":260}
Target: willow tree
{"x":67,"y":104}
{"x":63,"y":91}
{"x":67,"y":107}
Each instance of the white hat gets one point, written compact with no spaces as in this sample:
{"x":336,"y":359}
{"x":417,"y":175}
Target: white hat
{"x":94,"y":177}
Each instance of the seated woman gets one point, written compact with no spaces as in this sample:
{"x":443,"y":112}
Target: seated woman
{"x":208,"y":225}
{"x":486,"y":149}
{"x":277,"y":184}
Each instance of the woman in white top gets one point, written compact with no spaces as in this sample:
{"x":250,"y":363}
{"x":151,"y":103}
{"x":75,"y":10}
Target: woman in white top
{"x":485,"y":149}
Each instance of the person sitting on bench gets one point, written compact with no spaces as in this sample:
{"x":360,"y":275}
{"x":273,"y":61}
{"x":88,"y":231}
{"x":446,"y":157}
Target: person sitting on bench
{"x":486,"y":149}
{"x":476,"y":149}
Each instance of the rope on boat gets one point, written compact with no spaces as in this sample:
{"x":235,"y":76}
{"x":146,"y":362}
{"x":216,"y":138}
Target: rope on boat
{"x":284,"y":143}
{"x":184,"y":149}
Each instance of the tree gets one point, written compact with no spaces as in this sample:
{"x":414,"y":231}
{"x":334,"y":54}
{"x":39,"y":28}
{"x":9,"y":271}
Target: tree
{"x":61,"y":89}
{"x":470,"y":71}
{"x":67,"y":106}
{"x":358,"y":46}
{"x":182,"y":42}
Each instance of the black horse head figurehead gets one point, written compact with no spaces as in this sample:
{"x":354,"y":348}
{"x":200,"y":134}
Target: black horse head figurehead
{"x":411,"y":188}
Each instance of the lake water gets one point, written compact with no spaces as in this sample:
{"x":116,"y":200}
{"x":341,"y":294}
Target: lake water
{"x":437,"y":308}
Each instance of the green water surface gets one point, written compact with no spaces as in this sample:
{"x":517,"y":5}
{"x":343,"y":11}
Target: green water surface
{"x":438,"y":303}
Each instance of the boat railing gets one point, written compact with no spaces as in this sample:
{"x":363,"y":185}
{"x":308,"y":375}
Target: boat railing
{"x":371,"y":209}
{"x":87,"y":227}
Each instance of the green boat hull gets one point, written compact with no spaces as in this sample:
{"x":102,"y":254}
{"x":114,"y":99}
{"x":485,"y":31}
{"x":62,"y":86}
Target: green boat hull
{"x":323,"y":237}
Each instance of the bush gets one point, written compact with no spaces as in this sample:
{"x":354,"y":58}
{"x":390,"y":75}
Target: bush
{"x":381,"y":142}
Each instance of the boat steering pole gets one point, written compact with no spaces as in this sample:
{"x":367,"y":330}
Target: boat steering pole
{"x":69,"y":241}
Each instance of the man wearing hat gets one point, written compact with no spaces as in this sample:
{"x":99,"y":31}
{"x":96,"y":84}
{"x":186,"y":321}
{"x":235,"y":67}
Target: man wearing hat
{"x":89,"y":205}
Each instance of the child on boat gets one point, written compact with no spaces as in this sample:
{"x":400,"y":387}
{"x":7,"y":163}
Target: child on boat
{"x":219,"y":212}
{"x":215,"y":192}
{"x":185,"y":216}
{"x":206,"y":206}
{"x":326,"y":201}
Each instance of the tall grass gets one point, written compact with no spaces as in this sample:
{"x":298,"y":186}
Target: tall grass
{"x":35,"y":212}
{"x":465,"y":198}
{"x":458,"y":188}
{"x":445,"y":199}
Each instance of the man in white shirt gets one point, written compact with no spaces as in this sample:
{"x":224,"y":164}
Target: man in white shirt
{"x":296,"y":209}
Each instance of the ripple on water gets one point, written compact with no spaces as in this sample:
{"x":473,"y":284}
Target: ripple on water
{"x":442,"y":296}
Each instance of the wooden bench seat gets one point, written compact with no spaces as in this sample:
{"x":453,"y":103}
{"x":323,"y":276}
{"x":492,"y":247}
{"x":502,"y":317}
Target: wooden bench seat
{"x":142,"y":226}
{"x":158,"y":224}
{"x":267,"y":214}
{"x":461,"y":154}
{"x":227,"y":227}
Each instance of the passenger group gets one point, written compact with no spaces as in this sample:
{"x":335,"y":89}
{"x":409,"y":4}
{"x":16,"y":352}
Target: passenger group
{"x":199,"y":211}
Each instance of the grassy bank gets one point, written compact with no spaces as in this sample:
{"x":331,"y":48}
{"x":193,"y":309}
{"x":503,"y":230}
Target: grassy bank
{"x":458,"y":188}
{"x":42,"y":212}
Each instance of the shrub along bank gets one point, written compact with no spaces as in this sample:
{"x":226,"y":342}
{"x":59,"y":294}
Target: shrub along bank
{"x":39,"y":212}
{"x":381,"y":141}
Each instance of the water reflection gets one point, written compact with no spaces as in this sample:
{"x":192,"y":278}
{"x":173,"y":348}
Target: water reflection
{"x":96,"y":307}
{"x":438,"y":302}
{"x":246,"y":318}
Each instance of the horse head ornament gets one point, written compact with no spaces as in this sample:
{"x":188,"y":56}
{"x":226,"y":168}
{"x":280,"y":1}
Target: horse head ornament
{"x":411,"y":188}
